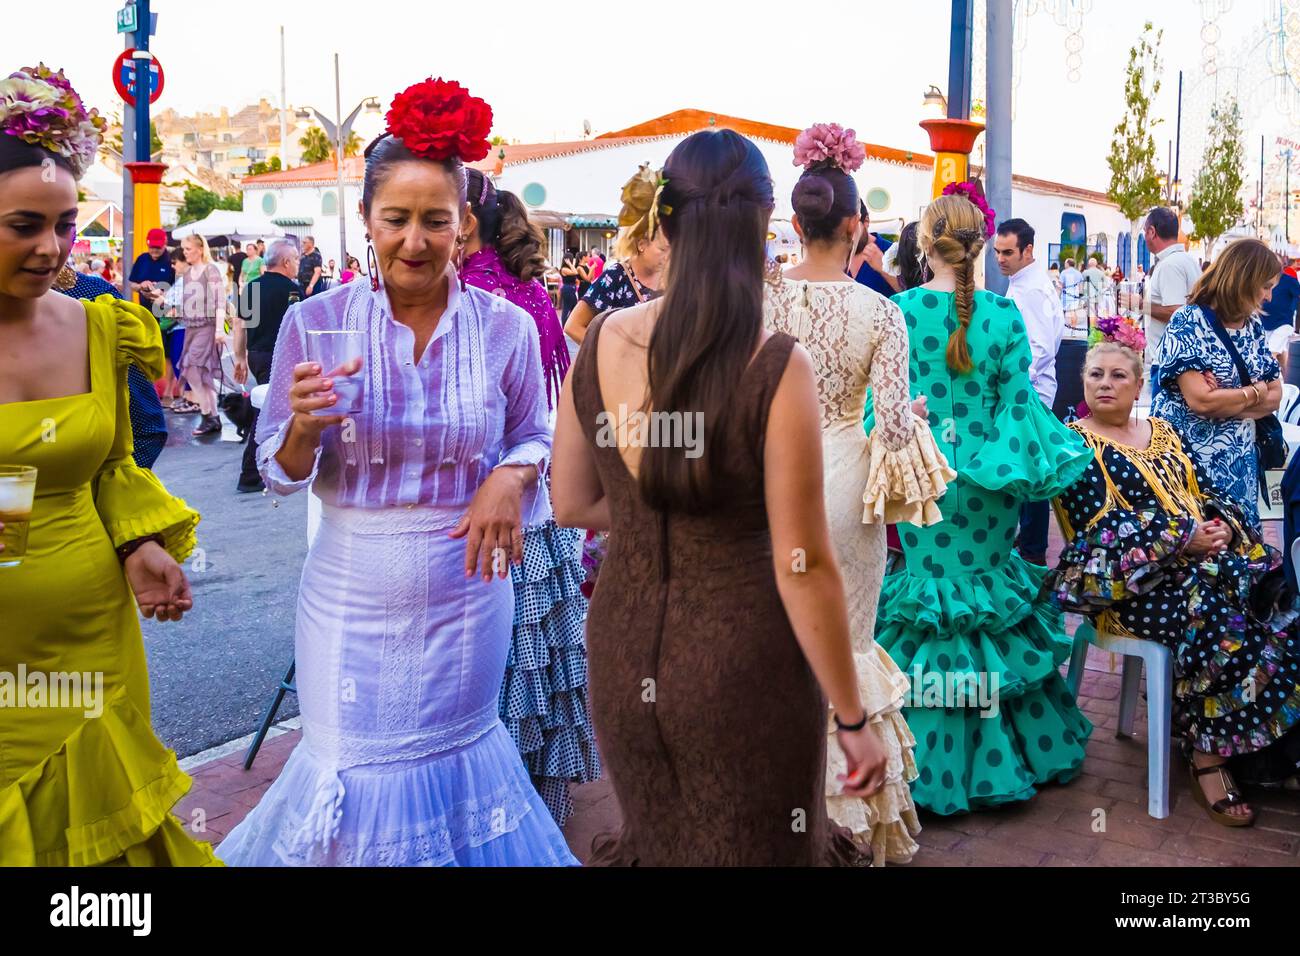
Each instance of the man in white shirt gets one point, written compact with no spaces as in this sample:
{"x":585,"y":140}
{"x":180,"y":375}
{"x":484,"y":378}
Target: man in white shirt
{"x":1035,"y":296}
{"x":1094,"y":278}
{"x":1169,"y":284}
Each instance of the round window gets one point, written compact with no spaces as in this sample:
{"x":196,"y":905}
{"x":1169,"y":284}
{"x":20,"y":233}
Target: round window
{"x":877,"y":199}
{"x":268,"y":203}
{"x":534,"y":194}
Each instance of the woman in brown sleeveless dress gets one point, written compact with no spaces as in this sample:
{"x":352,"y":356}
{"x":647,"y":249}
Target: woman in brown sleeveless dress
{"x":719,"y":619}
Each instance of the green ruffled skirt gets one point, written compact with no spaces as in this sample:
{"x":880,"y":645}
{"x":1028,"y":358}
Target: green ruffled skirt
{"x":991,"y":714}
{"x":965,"y":622}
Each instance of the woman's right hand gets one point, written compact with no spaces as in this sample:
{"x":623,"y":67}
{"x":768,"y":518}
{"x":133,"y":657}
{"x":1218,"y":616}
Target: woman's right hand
{"x":866,"y":759}
{"x":1210,"y":537}
{"x":919,"y":409}
{"x":311,"y":391}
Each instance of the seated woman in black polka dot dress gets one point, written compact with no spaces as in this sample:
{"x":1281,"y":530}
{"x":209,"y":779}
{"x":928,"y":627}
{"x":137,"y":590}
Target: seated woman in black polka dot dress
{"x":1153,"y":552}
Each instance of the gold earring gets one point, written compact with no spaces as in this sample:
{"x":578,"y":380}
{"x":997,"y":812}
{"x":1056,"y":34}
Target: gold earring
{"x":66,"y":279}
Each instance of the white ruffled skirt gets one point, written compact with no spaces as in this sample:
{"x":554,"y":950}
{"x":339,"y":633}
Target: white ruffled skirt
{"x":403,"y":761}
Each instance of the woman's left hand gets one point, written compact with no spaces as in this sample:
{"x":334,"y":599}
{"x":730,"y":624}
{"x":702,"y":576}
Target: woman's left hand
{"x":159,"y":584}
{"x":493,"y":523}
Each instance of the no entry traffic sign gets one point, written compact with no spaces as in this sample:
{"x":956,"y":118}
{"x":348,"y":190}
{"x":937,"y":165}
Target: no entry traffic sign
{"x":124,"y":77}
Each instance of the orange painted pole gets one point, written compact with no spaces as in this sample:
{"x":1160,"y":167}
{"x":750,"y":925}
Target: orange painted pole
{"x":952,"y":141}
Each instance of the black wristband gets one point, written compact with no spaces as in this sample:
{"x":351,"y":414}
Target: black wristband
{"x":850,"y":728}
{"x":131,"y":547}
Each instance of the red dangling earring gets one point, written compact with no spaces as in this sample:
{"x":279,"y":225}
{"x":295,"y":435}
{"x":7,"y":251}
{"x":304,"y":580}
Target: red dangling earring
{"x":372,"y":264}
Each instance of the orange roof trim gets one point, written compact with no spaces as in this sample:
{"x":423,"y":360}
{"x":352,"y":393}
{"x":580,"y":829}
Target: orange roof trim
{"x":353,"y":168}
{"x":692,"y":120}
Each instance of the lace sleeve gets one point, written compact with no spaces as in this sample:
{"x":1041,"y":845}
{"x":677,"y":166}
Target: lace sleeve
{"x":908,"y":473}
{"x":895,"y":423}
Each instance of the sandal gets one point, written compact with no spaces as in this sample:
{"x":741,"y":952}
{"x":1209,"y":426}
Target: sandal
{"x":182,"y":407}
{"x":207,"y":425}
{"x":1218,"y":810}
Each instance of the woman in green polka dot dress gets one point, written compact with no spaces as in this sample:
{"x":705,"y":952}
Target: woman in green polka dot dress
{"x":991,"y":714}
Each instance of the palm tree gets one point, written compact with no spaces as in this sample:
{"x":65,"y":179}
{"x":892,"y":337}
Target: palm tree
{"x":352,"y":146}
{"x":315,"y":145}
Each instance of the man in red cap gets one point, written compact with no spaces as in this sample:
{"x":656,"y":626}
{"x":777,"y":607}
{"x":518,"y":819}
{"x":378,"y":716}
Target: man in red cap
{"x":153,"y":273}
{"x":151,"y":276}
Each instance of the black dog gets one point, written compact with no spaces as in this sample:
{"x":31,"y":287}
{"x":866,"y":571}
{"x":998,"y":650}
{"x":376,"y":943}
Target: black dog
{"x":240,"y":411}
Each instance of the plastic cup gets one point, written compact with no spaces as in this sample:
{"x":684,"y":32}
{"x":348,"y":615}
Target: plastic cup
{"x":331,"y":349}
{"x":17,"y":494}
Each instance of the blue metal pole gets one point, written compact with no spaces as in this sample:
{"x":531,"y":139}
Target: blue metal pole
{"x":997,"y":135}
{"x":143,"y":84}
{"x":959,"y":54}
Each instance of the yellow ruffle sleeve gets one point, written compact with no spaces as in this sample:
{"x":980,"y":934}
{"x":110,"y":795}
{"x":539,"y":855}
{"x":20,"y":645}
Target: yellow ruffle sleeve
{"x":904,"y":484}
{"x":131,"y":501}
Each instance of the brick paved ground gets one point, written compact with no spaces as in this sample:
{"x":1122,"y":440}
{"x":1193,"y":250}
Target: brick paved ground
{"x":1055,"y":828}
{"x":1058,"y":827}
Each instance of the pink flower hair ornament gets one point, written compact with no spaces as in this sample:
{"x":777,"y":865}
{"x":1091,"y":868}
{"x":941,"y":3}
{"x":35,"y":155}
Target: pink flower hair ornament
{"x":1116,"y":328}
{"x":40,"y":107}
{"x":829,"y":145}
{"x":975,"y":194}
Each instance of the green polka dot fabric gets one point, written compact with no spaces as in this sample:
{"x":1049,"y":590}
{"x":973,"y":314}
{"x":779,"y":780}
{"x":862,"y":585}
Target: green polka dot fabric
{"x":963,"y":620}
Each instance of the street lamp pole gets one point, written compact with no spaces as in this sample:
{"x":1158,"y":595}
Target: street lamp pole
{"x":339,"y":130}
{"x":284,"y":109}
{"x":338,"y":165}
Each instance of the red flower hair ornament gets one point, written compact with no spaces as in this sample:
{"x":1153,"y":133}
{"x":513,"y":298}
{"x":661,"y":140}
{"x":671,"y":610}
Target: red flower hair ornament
{"x":439,"y":119}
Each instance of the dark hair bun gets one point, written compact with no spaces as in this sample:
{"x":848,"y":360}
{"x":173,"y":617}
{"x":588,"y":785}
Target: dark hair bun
{"x":813,"y":198}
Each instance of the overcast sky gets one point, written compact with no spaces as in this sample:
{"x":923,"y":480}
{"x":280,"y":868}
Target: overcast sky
{"x":546,"y":67}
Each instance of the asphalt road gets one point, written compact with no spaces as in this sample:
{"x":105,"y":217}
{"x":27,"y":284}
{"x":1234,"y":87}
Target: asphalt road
{"x":214,"y":672}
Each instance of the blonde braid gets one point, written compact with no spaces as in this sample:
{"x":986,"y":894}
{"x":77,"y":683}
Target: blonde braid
{"x":958,"y":352}
{"x":952,"y":229}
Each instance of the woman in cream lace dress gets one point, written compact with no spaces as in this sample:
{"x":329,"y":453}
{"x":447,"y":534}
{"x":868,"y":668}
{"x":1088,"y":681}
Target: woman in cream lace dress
{"x":858,"y":339}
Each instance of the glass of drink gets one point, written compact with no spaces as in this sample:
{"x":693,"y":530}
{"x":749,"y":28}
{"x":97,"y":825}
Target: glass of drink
{"x":331,"y":349}
{"x":17,"y":492}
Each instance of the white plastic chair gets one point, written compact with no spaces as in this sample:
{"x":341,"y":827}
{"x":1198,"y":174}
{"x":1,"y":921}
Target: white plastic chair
{"x":1289,"y":410}
{"x":1160,"y":689}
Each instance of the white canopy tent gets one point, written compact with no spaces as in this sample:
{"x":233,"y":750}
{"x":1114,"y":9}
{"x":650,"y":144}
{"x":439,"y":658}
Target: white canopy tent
{"x":231,"y":223}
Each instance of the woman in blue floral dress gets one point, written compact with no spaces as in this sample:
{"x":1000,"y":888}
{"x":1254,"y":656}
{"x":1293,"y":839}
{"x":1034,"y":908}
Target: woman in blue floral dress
{"x":1202,"y":393}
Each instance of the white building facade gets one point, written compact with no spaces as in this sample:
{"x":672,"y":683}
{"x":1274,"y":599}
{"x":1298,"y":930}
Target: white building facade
{"x":581,"y":179}
{"x":305,"y":202}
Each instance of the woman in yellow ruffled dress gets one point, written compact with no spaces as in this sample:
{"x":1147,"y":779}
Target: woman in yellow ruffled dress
{"x":83,"y":779}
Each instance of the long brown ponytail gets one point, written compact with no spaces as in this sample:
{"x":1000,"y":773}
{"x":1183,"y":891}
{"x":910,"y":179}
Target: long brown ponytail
{"x":715,"y":208}
{"x":952,"y":229}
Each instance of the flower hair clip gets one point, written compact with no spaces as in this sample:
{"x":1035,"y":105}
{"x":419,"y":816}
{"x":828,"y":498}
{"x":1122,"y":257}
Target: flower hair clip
{"x":974,"y":193}
{"x":642,"y":201}
{"x":440,"y":120}
{"x":1118,"y":329}
{"x":40,"y":107}
{"x":660,"y":208}
{"x":824,"y":145}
